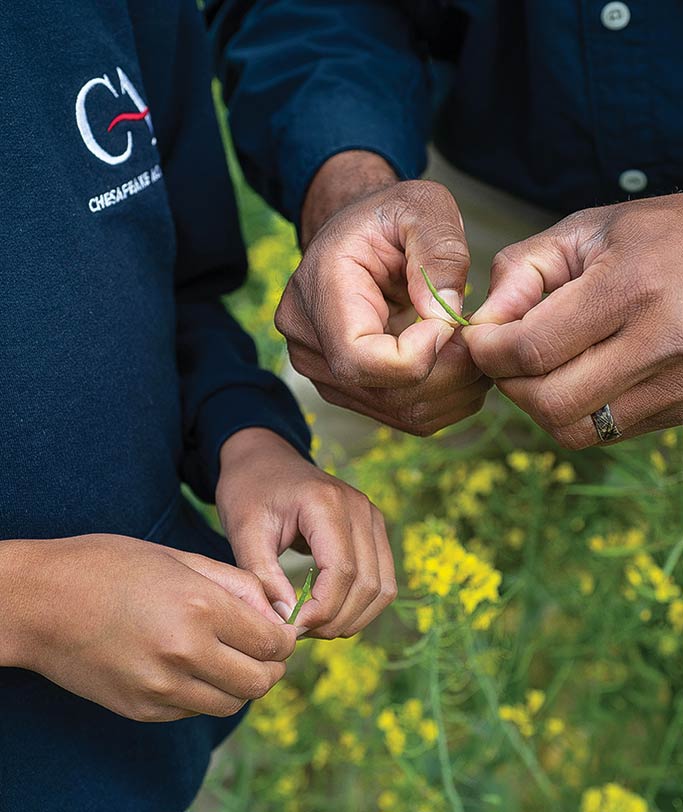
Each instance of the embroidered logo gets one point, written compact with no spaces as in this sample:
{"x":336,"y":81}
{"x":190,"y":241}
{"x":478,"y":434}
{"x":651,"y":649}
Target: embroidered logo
{"x":101,"y":148}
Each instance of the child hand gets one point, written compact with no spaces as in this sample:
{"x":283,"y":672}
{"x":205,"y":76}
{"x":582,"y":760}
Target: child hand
{"x":270,"y":498}
{"x":152,"y":633}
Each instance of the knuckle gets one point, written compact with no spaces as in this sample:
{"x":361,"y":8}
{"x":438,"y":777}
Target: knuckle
{"x":266,"y":648}
{"x":531,"y":354}
{"x":157,"y":686}
{"x":251,"y":581}
{"x":572,"y":438}
{"x":425,"y":192}
{"x":259,"y":686}
{"x":346,"y":571}
{"x":148,"y":713}
{"x":197,"y":607}
{"x":330,"y":493}
{"x":344,"y":371}
{"x":329,"y":632}
{"x":369,"y":588}
{"x":231,"y":707}
{"x":550,"y":407}
{"x":389,"y":591}
{"x":414,"y":417}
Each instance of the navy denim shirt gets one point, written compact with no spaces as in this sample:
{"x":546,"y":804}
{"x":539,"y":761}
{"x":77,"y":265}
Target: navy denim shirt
{"x":568,"y":104}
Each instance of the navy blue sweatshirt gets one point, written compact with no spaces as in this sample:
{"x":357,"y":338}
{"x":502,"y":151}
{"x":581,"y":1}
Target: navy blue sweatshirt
{"x":121,"y":374}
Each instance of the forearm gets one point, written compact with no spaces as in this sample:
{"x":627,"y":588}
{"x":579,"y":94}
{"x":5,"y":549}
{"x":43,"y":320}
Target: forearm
{"x":341,"y":180}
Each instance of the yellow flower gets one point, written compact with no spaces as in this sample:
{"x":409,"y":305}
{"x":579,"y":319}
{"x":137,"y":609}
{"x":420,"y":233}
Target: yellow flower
{"x":289,"y":785}
{"x":396,"y":741}
{"x":355,"y":751}
{"x":675,"y":615}
{"x":645,"y":615}
{"x":669,"y":438}
{"x":596,"y":543}
{"x":554,"y":726}
{"x":658,"y":461}
{"x":644,"y":570}
{"x":429,"y":731}
{"x":425,"y":618}
{"x":535,"y":700}
{"x":519,"y":461}
{"x":387,"y":801}
{"x":586,"y":583}
{"x":514,"y":538}
{"x":387,"y":720}
{"x":275,"y":717}
{"x":612,"y":798}
{"x":668,"y":645}
{"x":518,"y":715}
{"x":484,"y":619}
{"x":321,"y":755}
{"x":564,"y":473}
{"x":352,"y":672}
{"x":412,"y":710}
{"x":436,"y":563}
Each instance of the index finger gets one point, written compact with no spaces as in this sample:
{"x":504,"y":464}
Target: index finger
{"x":353,"y":337}
{"x":243,"y":628}
{"x":326,"y":525}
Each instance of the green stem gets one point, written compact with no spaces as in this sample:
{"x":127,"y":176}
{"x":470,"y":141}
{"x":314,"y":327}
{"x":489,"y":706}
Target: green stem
{"x":455,"y":316}
{"x":522,"y":749}
{"x":671,"y":737}
{"x":442,"y":742}
{"x":305,"y":595}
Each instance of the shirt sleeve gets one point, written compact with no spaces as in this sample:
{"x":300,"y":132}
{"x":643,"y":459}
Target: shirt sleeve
{"x":224,"y":390}
{"x":306,"y":79}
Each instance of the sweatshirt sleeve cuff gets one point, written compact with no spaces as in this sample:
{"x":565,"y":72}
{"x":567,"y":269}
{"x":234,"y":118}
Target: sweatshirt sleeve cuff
{"x":239,"y":407}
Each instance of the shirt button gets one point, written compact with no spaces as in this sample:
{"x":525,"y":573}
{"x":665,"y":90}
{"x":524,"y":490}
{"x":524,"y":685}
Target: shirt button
{"x":615,"y":16}
{"x":633,"y":180}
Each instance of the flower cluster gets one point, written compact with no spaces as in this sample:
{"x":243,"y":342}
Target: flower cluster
{"x":277,"y":715}
{"x":644,"y":573}
{"x":436,"y":563}
{"x":352,"y":671}
{"x":522,"y":715}
{"x":612,"y":798}
{"x":404,"y":722}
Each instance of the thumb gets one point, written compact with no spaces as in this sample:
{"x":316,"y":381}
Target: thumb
{"x":436,"y":240}
{"x":523,"y":272}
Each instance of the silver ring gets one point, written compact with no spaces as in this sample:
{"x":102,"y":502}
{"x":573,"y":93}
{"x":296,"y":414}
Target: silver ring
{"x":604,"y":424}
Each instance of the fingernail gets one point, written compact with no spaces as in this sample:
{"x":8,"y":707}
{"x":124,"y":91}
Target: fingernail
{"x":301,"y":630}
{"x":452,"y":299}
{"x":445,"y":335}
{"x":282,"y":609}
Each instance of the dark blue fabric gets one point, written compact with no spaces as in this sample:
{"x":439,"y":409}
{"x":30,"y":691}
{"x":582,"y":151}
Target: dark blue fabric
{"x":120,"y":372}
{"x":546,"y":101}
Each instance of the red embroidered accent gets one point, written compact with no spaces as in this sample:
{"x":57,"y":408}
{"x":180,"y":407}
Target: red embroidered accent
{"x":128,"y":117}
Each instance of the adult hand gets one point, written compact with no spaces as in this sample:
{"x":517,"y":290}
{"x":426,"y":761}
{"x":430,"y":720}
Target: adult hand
{"x":349,"y":311}
{"x":149,"y":632}
{"x":611,"y":330}
{"x":270,"y":498}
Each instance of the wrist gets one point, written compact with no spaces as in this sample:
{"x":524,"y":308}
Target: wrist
{"x":343,"y":179}
{"x":246,"y":444}
{"x":16,"y":597}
